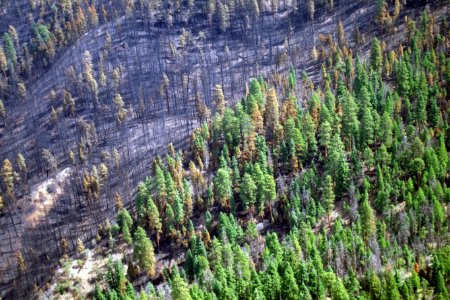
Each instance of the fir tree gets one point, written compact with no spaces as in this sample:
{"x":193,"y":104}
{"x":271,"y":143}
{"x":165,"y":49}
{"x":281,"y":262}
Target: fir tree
{"x":367,"y":219}
{"x":328,"y":195}
{"x":126,"y":235}
{"x":376,"y":56}
{"x":143,"y":251}
{"x":180,"y":290}
{"x":222,"y":186}
{"x":248,"y":191}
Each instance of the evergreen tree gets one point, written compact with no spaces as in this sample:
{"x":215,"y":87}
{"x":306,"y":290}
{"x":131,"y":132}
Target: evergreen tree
{"x":160,"y":186}
{"x":402,"y":75}
{"x":115,"y":276}
{"x":342,"y":177}
{"x":269,"y":192}
{"x":3,"y":112}
{"x":328,"y":195}
{"x":304,"y":292}
{"x":272,"y":112}
{"x":391,"y":287}
{"x":143,"y":251}
{"x":350,"y":123}
{"x":153,"y":218}
{"x":123,"y":217}
{"x":375,"y":287}
{"x":421,"y":113}
{"x":289,"y":289}
{"x":376,"y":56}
{"x":325,"y":132}
{"x":180,"y":290}
{"x":126,"y":235}
{"x":248,"y":191}
{"x":365,"y":115}
{"x":434,"y":113}
{"x":367,"y":219}
{"x":8,"y":176}
{"x":222,"y":186}
{"x":98,"y":293}
{"x":10,"y":50}
{"x":386,"y":129}
{"x":256,"y":92}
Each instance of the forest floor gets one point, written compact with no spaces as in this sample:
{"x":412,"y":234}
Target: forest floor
{"x":77,"y":277}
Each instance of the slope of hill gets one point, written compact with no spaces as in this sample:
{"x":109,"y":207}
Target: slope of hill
{"x":89,"y":109}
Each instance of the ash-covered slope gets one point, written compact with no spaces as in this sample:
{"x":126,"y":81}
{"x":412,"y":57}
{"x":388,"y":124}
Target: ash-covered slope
{"x":158,"y":71}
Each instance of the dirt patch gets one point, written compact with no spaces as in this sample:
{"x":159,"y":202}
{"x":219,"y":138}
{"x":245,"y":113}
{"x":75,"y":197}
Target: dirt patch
{"x":44,"y":196}
{"x":78,"y":277}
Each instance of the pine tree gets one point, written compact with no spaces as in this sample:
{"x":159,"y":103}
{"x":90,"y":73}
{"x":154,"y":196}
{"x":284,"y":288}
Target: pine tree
{"x":311,"y":9}
{"x":254,"y":7}
{"x":8,"y":176}
{"x":289,"y":289}
{"x":391,"y":287}
{"x":116,"y":157}
{"x":98,"y":293}
{"x":386,"y":130}
{"x":269,"y":192}
{"x":224,"y":16}
{"x":304,"y":292}
{"x":3,"y":61}
{"x":248,"y":191}
{"x":164,"y":89}
{"x":160,"y":186}
{"x":123,"y":217}
{"x":443,"y":156}
{"x":434,"y":113}
{"x":375,"y":288}
{"x":126,"y":235}
{"x":256,"y":92}
{"x":178,"y":209}
{"x":367,"y":219}
{"x":367,"y":127}
{"x":153,"y":218}
{"x":342,"y":177}
{"x":335,"y":156}
{"x":9,"y":48}
{"x":272,"y":112}
{"x":339,"y":292}
{"x":403,"y":76}
{"x":382,"y":12}
{"x":341,"y":33}
{"x":328,"y":196}
{"x":120,"y":107}
{"x":115,"y":276}
{"x":365,"y":115}
{"x":376,"y":56}
{"x":2,"y":112}
{"x":420,"y":111}
{"x":21,"y":262}
{"x":350,"y":123}
{"x":189,"y":264}
{"x":222,"y":186}
{"x":219,"y":99}
{"x":292,"y":80}
{"x":180,"y":290}
{"x":325,"y":132}
{"x":143,"y":251}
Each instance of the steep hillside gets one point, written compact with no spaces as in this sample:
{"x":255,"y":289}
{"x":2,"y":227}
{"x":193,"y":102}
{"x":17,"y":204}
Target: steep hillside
{"x":111,"y":97}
